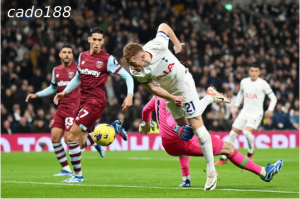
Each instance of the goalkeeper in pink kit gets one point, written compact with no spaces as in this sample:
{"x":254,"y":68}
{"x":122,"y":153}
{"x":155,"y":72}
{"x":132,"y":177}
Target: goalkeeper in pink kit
{"x":180,"y":141}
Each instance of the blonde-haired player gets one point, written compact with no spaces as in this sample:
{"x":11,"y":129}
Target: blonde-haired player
{"x":155,"y":62}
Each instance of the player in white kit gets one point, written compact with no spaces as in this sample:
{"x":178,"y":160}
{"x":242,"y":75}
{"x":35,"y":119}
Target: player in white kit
{"x":253,"y":89}
{"x":154,"y":62}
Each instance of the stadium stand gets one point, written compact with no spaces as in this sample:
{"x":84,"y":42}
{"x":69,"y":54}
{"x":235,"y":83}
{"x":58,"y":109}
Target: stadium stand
{"x":220,"y":45}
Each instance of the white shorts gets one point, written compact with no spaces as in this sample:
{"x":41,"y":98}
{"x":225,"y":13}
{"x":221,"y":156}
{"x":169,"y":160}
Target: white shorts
{"x":248,"y":119}
{"x":191,"y":102}
{"x":189,"y":109}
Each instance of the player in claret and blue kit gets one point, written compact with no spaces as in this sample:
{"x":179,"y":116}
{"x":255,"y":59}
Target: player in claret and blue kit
{"x":94,"y":66}
{"x":63,"y":118}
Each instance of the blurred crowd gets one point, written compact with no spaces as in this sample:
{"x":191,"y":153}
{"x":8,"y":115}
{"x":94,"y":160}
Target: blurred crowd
{"x":219,"y":45}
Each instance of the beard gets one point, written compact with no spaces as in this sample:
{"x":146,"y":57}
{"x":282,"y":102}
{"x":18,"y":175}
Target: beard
{"x":66,"y":62}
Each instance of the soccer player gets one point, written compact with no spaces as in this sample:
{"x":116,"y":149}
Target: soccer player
{"x":180,"y":141}
{"x":155,"y":62}
{"x":253,"y":89}
{"x":93,"y":68}
{"x":64,"y":116}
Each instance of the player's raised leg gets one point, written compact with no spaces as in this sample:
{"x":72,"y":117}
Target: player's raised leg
{"x":240,"y":160}
{"x":212,"y":95}
{"x":119,"y":129}
{"x":232,"y":136}
{"x":217,"y":96}
{"x":87,"y":140}
{"x":184,"y":165}
{"x":75,"y":154}
{"x":60,"y":153}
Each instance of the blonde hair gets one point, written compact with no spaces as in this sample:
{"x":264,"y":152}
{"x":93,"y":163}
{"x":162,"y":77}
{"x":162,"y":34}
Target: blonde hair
{"x":130,"y":50}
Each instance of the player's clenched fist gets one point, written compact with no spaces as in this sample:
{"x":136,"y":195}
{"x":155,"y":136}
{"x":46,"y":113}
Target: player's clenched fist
{"x":178,"y":48}
{"x":144,"y":127}
{"x":185,"y":132}
{"x":58,"y":97}
{"x":31,"y":96}
{"x":178,"y":100}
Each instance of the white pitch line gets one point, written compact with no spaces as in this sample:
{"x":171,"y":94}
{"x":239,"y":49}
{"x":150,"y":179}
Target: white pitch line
{"x":175,"y":159}
{"x":146,"y":187}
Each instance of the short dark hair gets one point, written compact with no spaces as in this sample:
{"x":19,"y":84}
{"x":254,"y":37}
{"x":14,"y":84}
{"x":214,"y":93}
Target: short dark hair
{"x":255,"y":65}
{"x":96,"y":30}
{"x":186,"y":65}
{"x":66,"y":46}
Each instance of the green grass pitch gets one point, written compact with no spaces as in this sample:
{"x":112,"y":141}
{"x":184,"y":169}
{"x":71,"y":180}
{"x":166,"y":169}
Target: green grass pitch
{"x":144,"y":174}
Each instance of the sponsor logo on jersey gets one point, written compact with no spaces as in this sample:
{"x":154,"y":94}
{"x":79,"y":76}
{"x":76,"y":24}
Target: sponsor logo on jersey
{"x":71,"y":75}
{"x":57,"y":75}
{"x":87,"y":71}
{"x":251,"y":96}
{"x":99,"y":64}
{"x":63,"y":83}
{"x":165,"y":73}
{"x":82,"y":62}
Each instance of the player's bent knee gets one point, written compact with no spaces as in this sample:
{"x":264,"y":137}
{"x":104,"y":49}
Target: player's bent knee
{"x":227,"y":149}
{"x":230,"y":148}
{"x":66,"y":136}
{"x":55,"y":139}
{"x":56,"y":134}
{"x":235,"y":130}
{"x":196,"y":122}
{"x":248,"y":128}
{"x":71,"y":137}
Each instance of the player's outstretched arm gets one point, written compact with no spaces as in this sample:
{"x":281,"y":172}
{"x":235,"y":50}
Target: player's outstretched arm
{"x":147,"y":110}
{"x":156,"y":90}
{"x":74,"y":83}
{"x":46,"y":92}
{"x":168,"y":30}
{"x":146,"y":125}
{"x":129,"y":83}
{"x":114,"y":67}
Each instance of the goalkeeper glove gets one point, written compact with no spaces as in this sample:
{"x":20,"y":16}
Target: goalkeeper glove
{"x":144,"y":127}
{"x":185,"y":132}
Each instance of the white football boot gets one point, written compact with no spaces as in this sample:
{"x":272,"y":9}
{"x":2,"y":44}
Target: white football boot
{"x":211,"y":181}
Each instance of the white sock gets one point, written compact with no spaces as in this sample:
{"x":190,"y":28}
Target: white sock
{"x":78,"y":173}
{"x":206,"y":146}
{"x":186,"y":177}
{"x":67,"y":168}
{"x":250,"y":139}
{"x":204,"y":102}
{"x":232,"y":137}
{"x":263,"y":172}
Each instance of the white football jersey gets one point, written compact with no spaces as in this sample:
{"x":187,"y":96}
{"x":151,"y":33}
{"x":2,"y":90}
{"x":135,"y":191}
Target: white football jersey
{"x":165,"y":69}
{"x":254,"y":93}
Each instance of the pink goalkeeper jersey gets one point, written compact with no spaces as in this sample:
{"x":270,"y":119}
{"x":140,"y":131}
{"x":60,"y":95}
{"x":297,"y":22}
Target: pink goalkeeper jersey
{"x":164,"y":119}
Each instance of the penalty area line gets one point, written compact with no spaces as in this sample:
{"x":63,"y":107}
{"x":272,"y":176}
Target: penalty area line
{"x":144,"y":187}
